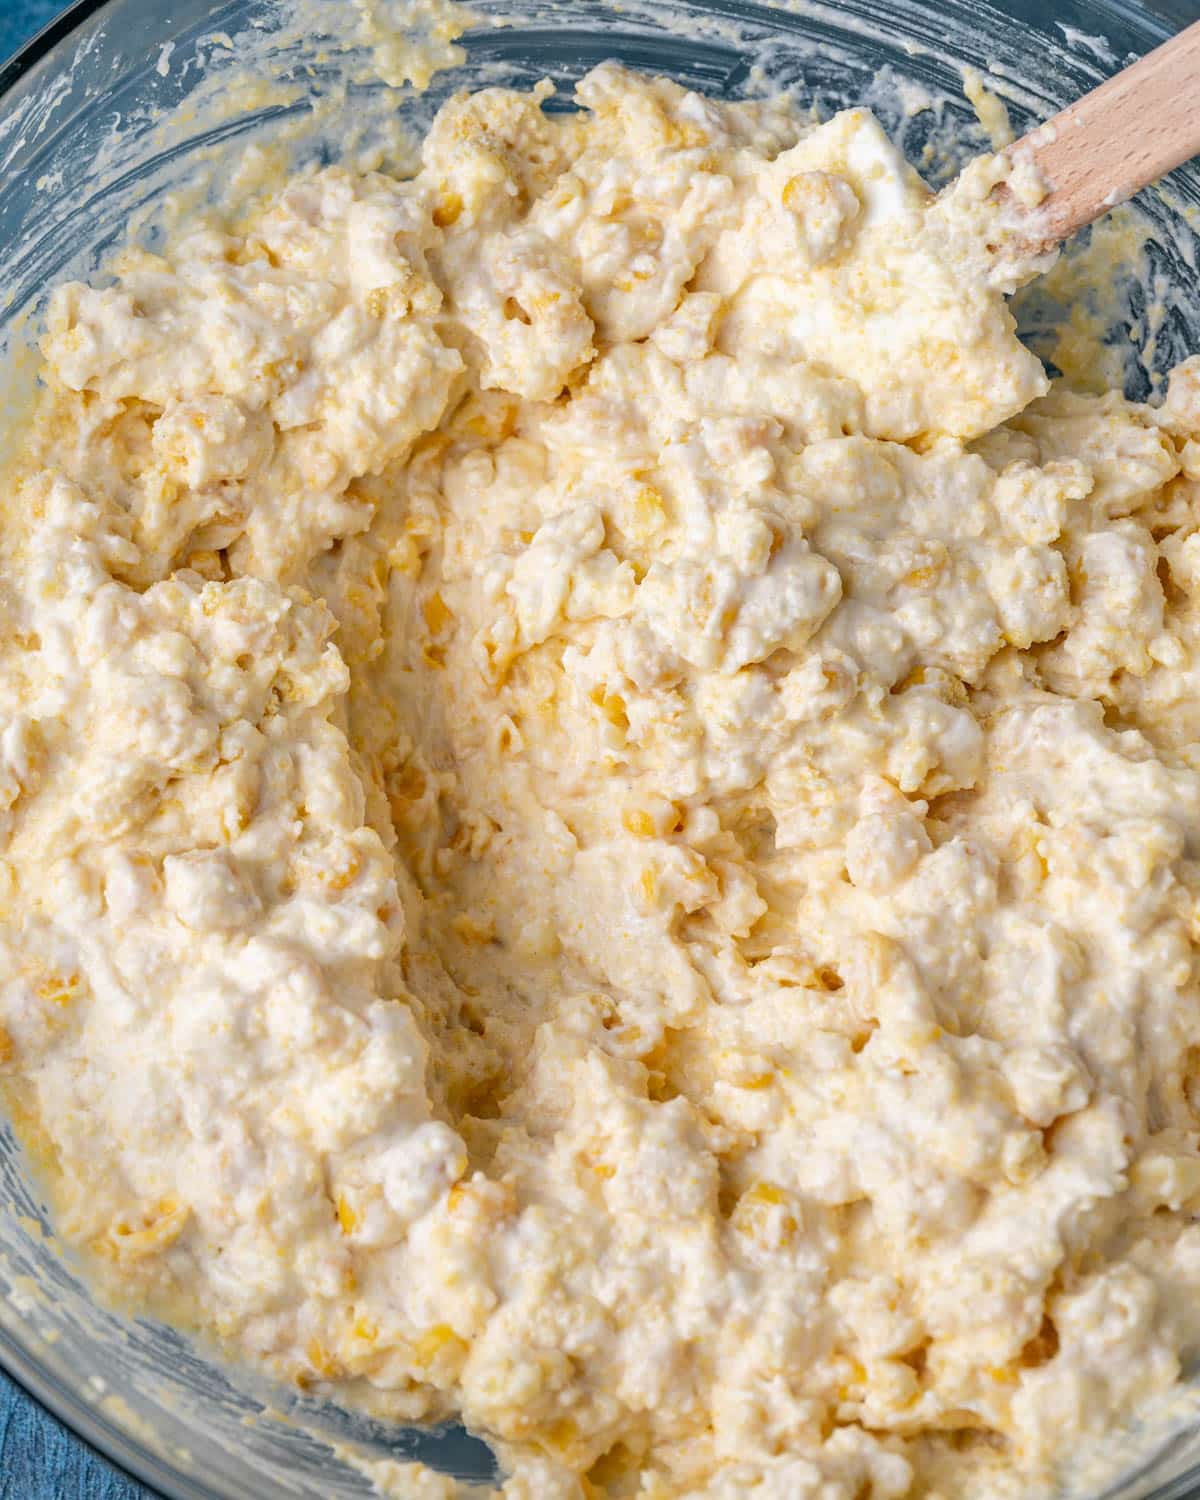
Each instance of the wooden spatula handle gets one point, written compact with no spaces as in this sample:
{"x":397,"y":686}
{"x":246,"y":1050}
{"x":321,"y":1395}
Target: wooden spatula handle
{"x":1118,"y":139}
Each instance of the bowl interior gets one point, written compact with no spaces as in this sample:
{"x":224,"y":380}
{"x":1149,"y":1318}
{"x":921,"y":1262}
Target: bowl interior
{"x":103,"y":136}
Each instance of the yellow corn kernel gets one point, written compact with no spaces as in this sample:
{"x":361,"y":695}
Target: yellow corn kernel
{"x":1028,"y":856}
{"x":756,"y":1081}
{"x":447,"y":210}
{"x":656,"y":817}
{"x":157,"y":1233}
{"x":441,"y":1337}
{"x":648,"y":233}
{"x":321,"y":1360}
{"x":560,"y":1436}
{"x":490,"y":422}
{"x":345,"y":874}
{"x":914,"y":679}
{"x":437,"y":615}
{"x":756,"y":1216}
{"x":235,"y":818}
{"x":61,"y":989}
{"x":506,"y":737}
{"x":346,"y":1215}
{"x":207,"y":563}
{"x":611,"y":706}
{"x":851,"y":1387}
{"x":566,"y":191}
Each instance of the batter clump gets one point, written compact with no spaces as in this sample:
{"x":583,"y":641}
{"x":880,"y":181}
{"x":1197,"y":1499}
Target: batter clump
{"x":602,"y":796}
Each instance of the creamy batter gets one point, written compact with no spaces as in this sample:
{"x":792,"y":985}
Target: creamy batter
{"x":601,"y":802}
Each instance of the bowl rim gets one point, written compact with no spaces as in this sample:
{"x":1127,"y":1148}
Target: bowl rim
{"x":42,"y":43}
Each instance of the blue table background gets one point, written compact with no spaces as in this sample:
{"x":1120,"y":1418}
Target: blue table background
{"x":39,"y":1458}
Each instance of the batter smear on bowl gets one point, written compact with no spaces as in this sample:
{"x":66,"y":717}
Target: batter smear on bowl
{"x":602,"y":794}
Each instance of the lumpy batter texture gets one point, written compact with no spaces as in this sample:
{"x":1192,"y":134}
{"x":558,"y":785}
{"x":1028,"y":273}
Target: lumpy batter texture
{"x":602,"y":800}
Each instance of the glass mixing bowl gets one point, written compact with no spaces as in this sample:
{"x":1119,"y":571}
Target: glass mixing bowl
{"x":120,"y":102}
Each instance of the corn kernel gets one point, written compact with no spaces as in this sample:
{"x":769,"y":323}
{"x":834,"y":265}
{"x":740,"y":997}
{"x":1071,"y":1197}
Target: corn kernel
{"x":756,"y":1081}
{"x":447,"y":209}
{"x":560,"y":1436}
{"x":441,"y":1337}
{"x":207,"y":563}
{"x":321,"y":1360}
{"x":758,"y":1217}
{"x":345,"y":874}
{"x":7,"y":1048}
{"x":437,"y":615}
{"x":612,"y":707}
{"x":163,"y":1226}
{"x":61,"y":989}
{"x":346,"y":1215}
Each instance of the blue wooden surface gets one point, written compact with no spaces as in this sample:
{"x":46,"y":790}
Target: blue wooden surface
{"x":39,"y":1458}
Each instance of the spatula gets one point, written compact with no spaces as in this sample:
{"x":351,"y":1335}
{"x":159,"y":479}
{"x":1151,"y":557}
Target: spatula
{"x":1115,"y":141}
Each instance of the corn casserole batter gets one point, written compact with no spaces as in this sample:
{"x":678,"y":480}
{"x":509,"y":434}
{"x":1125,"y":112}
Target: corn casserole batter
{"x":601,"y":794}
